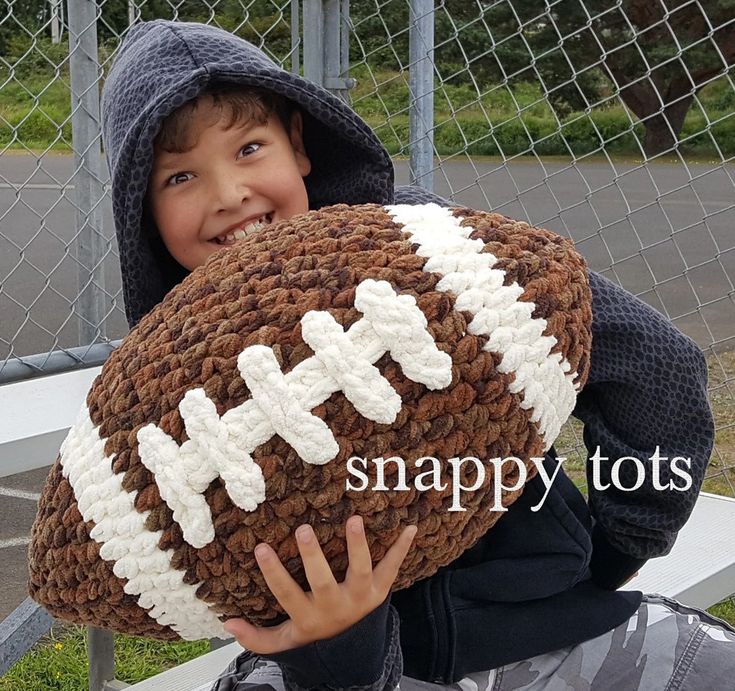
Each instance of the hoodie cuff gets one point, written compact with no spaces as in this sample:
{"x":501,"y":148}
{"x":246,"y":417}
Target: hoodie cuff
{"x":610,"y":568}
{"x":365,"y":656}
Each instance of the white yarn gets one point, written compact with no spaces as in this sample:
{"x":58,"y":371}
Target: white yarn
{"x":542,"y":377}
{"x":281,"y":404}
{"x":126,"y":542}
{"x":359,"y":380}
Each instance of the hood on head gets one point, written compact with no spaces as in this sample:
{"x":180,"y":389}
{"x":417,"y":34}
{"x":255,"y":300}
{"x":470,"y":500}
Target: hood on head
{"x":160,"y":66}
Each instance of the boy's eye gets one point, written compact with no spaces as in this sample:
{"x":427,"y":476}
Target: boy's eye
{"x":249,"y":149}
{"x":178,"y":178}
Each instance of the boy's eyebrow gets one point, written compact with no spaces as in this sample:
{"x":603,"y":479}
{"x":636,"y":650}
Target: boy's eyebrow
{"x":160,"y":164}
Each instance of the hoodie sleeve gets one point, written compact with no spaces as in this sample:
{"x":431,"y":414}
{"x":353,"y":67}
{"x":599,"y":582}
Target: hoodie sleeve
{"x":646,"y":391}
{"x":365,"y":657}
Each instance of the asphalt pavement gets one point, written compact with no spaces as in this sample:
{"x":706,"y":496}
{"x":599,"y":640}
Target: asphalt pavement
{"x":667,"y":225}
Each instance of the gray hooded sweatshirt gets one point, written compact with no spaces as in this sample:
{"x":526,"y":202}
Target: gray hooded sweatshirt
{"x":539,"y":580}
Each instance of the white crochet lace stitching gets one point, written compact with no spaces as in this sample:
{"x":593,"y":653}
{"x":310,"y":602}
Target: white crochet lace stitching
{"x":126,"y":542}
{"x":281,"y":404}
{"x":542,"y":377}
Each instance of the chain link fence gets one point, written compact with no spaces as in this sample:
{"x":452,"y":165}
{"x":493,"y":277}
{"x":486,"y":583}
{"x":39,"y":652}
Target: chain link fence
{"x":609,"y":121}
{"x":612,"y":122}
{"x":60,"y":293}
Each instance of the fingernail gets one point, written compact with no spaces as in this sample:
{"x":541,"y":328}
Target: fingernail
{"x":357,"y":525}
{"x":304,"y":534}
{"x":261,"y":551}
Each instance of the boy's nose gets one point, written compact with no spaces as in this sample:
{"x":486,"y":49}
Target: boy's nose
{"x":231,"y":192}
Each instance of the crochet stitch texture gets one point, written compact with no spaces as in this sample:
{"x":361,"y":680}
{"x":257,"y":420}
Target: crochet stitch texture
{"x":227,"y":416}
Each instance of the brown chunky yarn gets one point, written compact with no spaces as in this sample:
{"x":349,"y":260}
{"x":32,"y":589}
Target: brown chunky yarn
{"x":256,"y":293}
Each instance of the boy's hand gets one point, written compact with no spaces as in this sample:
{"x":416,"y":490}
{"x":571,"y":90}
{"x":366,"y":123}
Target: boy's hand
{"x":330,"y":608}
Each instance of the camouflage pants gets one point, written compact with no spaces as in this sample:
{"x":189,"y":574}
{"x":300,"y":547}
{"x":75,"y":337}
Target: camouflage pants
{"x":665,"y":646}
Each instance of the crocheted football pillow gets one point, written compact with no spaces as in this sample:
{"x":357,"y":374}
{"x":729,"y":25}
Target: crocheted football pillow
{"x":229,"y":415}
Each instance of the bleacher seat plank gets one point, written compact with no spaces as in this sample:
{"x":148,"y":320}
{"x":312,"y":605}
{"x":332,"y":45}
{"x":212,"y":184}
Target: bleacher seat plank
{"x":195,"y":675}
{"x":700,"y":569}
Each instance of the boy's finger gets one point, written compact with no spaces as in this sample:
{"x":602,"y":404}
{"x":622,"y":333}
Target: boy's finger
{"x":286,"y":590}
{"x":317,"y":569}
{"x":386,"y":571}
{"x":262,"y":641}
{"x":360,"y":561}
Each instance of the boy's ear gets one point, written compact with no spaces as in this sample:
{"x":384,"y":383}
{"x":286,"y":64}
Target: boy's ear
{"x":297,"y":143}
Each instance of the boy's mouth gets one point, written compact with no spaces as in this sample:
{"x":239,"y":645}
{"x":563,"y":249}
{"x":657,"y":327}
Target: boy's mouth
{"x":232,"y":236}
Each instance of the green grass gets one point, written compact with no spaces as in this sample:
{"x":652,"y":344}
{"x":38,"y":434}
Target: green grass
{"x":724,"y":610}
{"x":58,"y":662}
{"x":492,"y":121}
{"x":34,"y":113}
{"x":721,"y":475}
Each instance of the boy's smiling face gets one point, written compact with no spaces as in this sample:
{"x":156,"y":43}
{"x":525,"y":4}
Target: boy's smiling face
{"x":228,"y":185}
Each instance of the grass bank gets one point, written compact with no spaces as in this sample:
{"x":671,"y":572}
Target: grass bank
{"x":510,"y":121}
{"x":483,"y":121}
{"x":58,"y":662}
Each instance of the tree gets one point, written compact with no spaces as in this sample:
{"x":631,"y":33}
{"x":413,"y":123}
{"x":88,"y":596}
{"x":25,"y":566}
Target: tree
{"x":23,"y":20}
{"x":656,"y":53}
{"x":679,"y":46}
{"x":482,"y":43}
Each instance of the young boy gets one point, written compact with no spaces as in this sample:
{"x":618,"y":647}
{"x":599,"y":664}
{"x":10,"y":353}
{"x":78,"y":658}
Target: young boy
{"x":208,"y":140}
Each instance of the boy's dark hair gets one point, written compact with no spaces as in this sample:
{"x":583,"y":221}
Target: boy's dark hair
{"x":233,"y":102}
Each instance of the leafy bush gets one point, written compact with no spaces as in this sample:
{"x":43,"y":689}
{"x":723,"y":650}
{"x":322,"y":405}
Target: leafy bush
{"x":724,"y":134}
{"x":38,"y":128}
{"x":701,"y":140}
{"x":31,"y":56}
{"x":473,"y":135}
{"x":719,"y":95}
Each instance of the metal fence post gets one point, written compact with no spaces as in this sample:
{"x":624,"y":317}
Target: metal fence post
{"x":295,"y":38}
{"x":85,"y":72}
{"x":56,"y":21}
{"x":421,"y":86}
{"x":326,"y":45}
{"x":336,"y":48}
{"x":101,"y":655}
{"x":346,"y":29}
{"x":313,"y":41}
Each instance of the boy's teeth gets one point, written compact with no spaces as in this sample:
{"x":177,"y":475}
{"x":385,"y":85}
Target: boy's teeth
{"x":242,"y":233}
